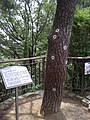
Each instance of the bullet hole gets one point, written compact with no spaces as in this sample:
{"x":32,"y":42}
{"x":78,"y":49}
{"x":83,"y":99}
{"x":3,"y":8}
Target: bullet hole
{"x":54,"y":36}
{"x":65,"y":47}
{"x":53,"y":57}
{"x":57,"y":30}
{"x":54,"y":89}
{"x":66,"y":62}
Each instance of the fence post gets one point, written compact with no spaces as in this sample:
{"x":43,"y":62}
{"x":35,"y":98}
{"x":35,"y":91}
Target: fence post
{"x":43,"y":72}
{"x":16,"y":103}
{"x":83,"y":78}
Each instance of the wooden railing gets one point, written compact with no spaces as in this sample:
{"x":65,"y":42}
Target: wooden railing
{"x":36,"y":68}
{"x":75,"y":81}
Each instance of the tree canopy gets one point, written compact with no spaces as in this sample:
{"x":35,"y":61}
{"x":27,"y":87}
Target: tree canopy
{"x":24,"y":28}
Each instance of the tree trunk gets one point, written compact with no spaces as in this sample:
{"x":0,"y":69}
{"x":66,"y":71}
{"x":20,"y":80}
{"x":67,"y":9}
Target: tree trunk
{"x":58,"y":43}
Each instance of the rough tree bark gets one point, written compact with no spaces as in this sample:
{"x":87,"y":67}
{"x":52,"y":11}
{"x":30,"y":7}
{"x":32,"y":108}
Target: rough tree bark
{"x":58,"y":43}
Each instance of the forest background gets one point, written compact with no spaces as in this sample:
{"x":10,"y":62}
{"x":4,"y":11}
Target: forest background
{"x":25,"y":26}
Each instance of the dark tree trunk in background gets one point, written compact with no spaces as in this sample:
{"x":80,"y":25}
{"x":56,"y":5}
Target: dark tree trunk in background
{"x":58,"y":43}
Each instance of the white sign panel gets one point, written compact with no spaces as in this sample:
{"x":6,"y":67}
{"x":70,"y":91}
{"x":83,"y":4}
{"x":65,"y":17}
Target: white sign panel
{"x":87,"y":68}
{"x":15,"y":76}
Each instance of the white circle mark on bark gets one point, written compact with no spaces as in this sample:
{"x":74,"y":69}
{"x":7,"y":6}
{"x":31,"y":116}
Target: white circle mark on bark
{"x":52,"y":57}
{"x":65,"y":47}
{"x":57,"y":30}
{"x":54,"y":36}
{"x":54,"y":89}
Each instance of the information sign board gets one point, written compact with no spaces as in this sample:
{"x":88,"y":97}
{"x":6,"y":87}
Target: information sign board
{"x":15,"y":76}
{"x":87,"y":68}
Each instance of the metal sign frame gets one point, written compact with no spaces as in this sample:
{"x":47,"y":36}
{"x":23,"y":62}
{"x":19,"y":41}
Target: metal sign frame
{"x":20,"y":76}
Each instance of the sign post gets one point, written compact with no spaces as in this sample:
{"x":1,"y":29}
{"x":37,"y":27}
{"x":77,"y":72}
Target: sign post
{"x":13,"y":77}
{"x":16,"y":103}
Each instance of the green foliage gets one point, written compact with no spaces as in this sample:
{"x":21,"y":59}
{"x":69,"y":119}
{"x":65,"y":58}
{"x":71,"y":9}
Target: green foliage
{"x":83,"y":3}
{"x":68,"y":81}
{"x":25,"y":25}
{"x":35,"y":88}
{"x":79,"y":46}
{"x":80,"y":39}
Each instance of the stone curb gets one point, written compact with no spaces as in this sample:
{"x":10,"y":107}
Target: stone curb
{"x":73,"y":96}
{"x":6,"y":104}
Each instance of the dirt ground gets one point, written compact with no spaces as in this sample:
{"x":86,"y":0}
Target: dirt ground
{"x":29,"y":109}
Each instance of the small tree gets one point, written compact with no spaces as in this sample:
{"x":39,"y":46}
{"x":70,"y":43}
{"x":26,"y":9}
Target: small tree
{"x":58,"y":43}
{"x":24,"y":26}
